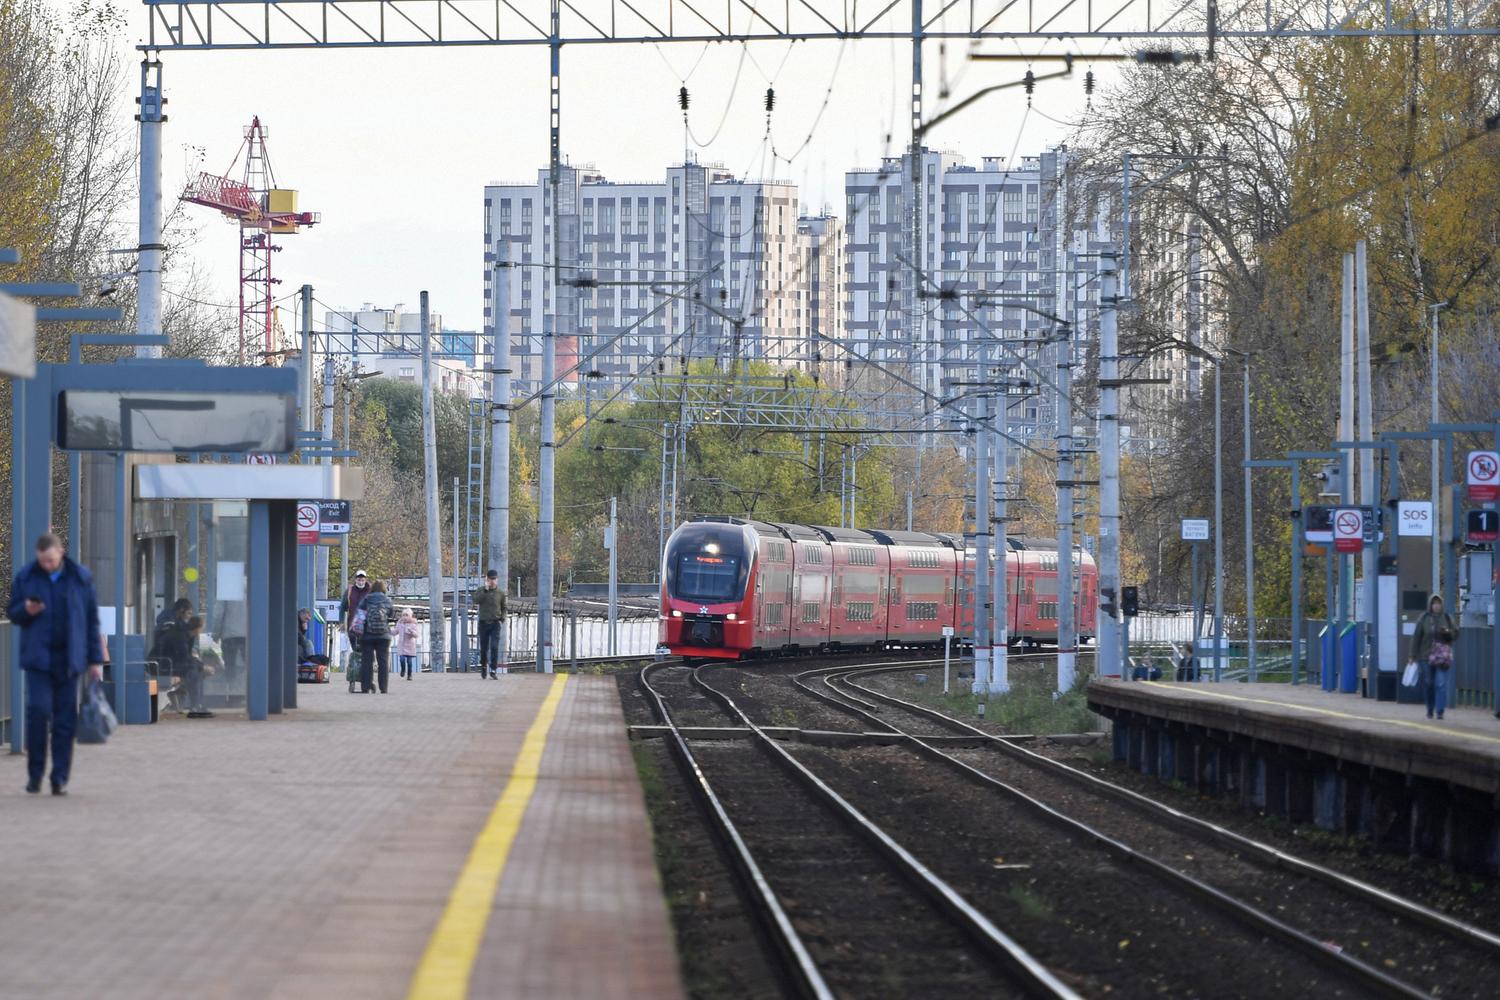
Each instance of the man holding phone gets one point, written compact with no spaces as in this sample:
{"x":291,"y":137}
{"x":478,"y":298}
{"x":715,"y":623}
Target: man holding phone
{"x":52,"y":600}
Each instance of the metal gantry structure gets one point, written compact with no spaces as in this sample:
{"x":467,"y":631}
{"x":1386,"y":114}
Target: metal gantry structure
{"x":227,"y":25}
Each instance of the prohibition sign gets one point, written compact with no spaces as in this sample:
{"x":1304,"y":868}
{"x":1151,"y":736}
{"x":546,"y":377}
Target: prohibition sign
{"x":307,"y":523}
{"x":1484,"y":476}
{"x":1349,"y":531}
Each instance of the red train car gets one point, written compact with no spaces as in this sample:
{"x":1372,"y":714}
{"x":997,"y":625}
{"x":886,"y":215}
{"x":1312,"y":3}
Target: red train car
{"x":733,"y":588}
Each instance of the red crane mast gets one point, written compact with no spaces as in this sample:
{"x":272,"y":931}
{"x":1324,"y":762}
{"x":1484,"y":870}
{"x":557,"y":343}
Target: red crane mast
{"x":263,"y":211}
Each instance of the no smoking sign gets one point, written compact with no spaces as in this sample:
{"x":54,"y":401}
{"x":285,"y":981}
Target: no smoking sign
{"x":307,"y":523}
{"x":1348,"y":530}
{"x":1484,"y":476}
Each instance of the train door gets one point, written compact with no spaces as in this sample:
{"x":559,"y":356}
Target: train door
{"x":837,"y":619}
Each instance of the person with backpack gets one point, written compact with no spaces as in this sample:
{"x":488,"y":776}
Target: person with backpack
{"x":1432,"y":650}
{"x":376,"y":616}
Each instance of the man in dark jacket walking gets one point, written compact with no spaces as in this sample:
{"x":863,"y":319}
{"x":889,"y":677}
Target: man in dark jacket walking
{"x":52,"y":600}
{"x":491,"y":601}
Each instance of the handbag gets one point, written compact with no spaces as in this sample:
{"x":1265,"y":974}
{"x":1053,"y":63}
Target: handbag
{"x":1441,"y":655}
{"x":1409,"y":675}
{"x":357,"y":625}
{"x":96,"y":720}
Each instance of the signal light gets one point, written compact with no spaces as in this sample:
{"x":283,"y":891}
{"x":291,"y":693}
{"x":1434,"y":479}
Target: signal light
{"x":1130,"y":601}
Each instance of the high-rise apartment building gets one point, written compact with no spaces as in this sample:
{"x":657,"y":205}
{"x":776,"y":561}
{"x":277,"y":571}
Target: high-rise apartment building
{"x":820,"y":294}
{"x":701,"y":264}
{"x":1002,"y":274}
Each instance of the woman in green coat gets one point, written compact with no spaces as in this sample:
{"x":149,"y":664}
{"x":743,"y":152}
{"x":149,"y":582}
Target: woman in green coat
{"x":1433,"y":627}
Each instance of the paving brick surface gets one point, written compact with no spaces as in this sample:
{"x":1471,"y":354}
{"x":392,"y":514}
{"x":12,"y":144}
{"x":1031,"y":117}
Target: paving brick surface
{"x":311,"y":856}
{"x":581,"y":891}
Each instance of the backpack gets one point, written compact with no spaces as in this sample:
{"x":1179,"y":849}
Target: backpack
{"x":377,"y":619}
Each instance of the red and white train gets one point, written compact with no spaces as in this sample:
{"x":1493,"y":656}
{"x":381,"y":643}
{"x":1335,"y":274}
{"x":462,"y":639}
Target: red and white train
{"x":735,"y":588}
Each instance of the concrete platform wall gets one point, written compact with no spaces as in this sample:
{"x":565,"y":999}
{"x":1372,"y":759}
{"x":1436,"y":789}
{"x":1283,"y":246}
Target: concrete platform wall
{"x":1398,"y":811}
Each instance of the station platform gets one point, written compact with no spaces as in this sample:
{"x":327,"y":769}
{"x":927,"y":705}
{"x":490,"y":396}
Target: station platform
{"x":1348,"y":764}
{"x":455,"y":837}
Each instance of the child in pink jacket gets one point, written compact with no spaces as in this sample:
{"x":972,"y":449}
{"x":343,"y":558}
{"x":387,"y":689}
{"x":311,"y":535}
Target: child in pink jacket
{"x":407,"y":632}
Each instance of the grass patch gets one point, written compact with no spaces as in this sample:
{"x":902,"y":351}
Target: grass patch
{"x":782,"y":716}
{"x":1029,"y":706}
{"x":1029,"y":903}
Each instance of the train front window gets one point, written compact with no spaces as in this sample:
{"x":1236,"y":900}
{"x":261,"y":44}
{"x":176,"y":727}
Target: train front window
{"x":702,"y":576}
{"x":706,"y":565}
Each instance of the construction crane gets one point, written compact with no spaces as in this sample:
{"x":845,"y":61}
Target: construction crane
{"x":263,"y":211}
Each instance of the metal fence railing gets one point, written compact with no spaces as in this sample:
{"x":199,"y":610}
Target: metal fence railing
{"x":587,"y":633}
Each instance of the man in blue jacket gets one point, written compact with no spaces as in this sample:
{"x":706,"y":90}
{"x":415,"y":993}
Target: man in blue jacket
{"x":53,"y":602}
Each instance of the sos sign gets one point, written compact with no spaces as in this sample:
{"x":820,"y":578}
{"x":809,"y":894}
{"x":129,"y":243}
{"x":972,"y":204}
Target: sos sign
{"x":1414,"y":518}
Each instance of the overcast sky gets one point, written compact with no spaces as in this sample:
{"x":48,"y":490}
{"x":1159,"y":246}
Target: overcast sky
{"x":394,"y":147}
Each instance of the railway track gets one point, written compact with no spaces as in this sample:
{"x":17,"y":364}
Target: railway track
{"x":850,"y":911}
{"x":1394,"y":946}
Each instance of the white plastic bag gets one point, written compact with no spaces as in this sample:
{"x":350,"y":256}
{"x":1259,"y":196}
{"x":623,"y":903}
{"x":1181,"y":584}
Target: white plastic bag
{"x":1409,"y":675}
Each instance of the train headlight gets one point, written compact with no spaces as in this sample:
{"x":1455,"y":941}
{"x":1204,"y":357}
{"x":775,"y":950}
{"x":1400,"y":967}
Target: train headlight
{"x":731,"y":616}
{"x":676,"y":613}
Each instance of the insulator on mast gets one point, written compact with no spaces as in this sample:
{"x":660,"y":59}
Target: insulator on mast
{"x":682,"y":98}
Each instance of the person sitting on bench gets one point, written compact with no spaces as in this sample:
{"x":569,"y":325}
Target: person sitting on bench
{"x":178,"y":649}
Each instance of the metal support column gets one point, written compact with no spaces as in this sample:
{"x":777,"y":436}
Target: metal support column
{"x":499,"y":540}
{"x":999,"y":592}
{"x":982,"y":543}
{"x":1109,"y":648}
{"x":613,"y":544}
{"x":1249,"y":532}
{"x":1218,"y":636}
{"x":547,"y":465}
{"x":1369,"y":487}
{"x":149,"y":240}
{"x":453,"y":660}
{"x":307,"y":566}
{"x":257,"y":611}
{"x":436,"y":654}
{"x":1067,"y":619}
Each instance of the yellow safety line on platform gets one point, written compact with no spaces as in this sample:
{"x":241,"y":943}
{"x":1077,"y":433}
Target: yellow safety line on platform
{"x":448,"y":962}
{"x":1425,"y":726}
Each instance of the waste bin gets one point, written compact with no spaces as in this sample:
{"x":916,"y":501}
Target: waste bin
{"x":1349,"y":658}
